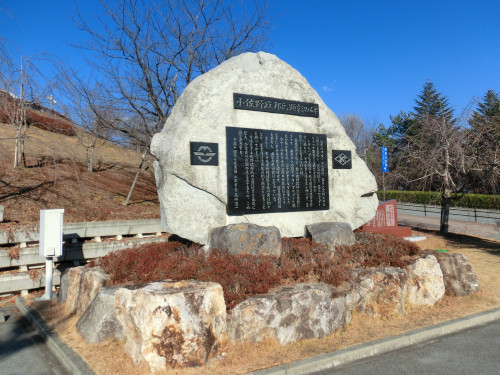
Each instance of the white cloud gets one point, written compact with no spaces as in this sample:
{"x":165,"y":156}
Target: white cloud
{"x":327,"y":88}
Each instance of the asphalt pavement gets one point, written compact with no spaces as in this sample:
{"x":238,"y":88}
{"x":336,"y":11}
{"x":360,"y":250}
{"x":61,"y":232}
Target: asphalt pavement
{"x":22,"y":349}
{"x":473,"y":351}
{"x":484,"y":230}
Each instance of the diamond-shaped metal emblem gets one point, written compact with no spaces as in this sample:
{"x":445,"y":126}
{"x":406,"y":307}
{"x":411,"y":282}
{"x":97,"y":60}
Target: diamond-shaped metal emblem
{"x":342,"y":159}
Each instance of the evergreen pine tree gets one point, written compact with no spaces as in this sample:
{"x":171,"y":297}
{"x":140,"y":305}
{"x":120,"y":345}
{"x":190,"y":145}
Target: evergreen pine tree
{"x":431,"y":103}
{"x":484,"y":140}
{"x":401,"y":126}
{"x":488,"y":110}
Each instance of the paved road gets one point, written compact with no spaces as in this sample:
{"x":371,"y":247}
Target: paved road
{"x":455,"y":226}
{"x":474,"y":351}
{"x":22,"y":351}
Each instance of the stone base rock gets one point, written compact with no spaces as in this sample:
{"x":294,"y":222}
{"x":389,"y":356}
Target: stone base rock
{"x":331,"y":234}
{"x":83,"y":285}
{"x":99,"y":322}
{"x":62,"y":293}
{"x":380,"y":291}
{"x":425,"y":281}
{"x":295,"y":312}
{"x":172,"y":324}
{"x":247,"y":239}
{"x":459,"y":278}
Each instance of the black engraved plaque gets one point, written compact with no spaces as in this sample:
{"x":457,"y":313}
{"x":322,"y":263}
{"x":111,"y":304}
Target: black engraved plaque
{"x":203,"y":153}
{"x":273,"y":105}
{"x":342,"y":159}
{"x":275,"y":171}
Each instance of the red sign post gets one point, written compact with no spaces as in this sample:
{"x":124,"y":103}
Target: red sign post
{"x":386,"y":221}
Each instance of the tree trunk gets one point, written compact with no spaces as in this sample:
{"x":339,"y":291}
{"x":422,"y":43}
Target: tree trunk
{"x":17,"y":150}
{"x":137,"y":175}
{"x":90,"y":158}
{"x":23,"y":156}
{"x":445,"y":198}
{"x":445,"y":211}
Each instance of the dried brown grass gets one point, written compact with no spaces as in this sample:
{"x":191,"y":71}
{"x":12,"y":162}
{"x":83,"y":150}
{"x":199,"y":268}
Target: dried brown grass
{"x":56,"y":176}
{"x":55,"y":146}
{"x":483,"y":255}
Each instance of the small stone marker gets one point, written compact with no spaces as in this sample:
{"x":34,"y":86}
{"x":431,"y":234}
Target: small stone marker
{"x":386,"y":221}
{"x":1,"y":213}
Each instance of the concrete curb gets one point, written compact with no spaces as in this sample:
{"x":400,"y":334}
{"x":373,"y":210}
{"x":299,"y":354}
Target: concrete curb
{"x":68,"y":358}
{"x":76,"y":365}
{"x":341,"y":357}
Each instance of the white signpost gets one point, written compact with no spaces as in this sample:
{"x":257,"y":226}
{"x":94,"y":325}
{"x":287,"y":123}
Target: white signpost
{"x":51,"y":240}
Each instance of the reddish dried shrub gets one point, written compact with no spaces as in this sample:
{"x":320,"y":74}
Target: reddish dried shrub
{"x":303,"y":259}
{"x":150,"y":262}
{"x":242,"y":276}
{"x":379,"y":250}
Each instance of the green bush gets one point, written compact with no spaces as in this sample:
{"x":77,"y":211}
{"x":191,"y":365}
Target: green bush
{"x":488,"y":202}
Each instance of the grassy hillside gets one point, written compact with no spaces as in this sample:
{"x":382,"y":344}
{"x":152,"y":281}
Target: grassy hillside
{"x":56,"y":176}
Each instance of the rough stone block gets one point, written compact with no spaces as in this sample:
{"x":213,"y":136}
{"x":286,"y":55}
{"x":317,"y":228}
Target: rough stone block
{"x":459,"y":278}
{"x":63,"y":287}
{"x":99,"y":322}
{"x":247,"y":239}
{"x":425,"y":281}
{"x":293,"y":313}
{"x":83,"y":285}
{"x":380,"y":291}
{"x":172,"y":324}
{"x":331,"y":234}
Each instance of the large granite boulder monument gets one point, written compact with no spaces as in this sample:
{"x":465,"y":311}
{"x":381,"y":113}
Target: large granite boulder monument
{"x":251,"y":141}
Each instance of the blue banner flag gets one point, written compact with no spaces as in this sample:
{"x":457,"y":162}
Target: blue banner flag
{"x":385,"y":160}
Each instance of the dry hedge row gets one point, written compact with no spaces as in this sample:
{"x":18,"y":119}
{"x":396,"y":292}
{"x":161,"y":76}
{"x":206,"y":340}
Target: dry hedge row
{"x":242,"y":276}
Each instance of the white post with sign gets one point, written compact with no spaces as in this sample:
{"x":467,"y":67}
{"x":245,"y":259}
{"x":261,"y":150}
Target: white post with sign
{"x":51,"y":240}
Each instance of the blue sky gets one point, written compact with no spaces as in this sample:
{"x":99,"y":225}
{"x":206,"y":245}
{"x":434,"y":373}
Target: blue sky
{"x":365,"y":57}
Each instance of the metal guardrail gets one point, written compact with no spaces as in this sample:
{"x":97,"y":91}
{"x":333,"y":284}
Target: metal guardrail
{"x":26,"y":253}
{"x":21,"y":281}
{"x":29,"y":256}
{"x":84,"y":230}
{"x":456,"y":213}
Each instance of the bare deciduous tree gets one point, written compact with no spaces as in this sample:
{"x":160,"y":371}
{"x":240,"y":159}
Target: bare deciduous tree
{"x":358,"y":132}
{"x":93,"y":134}
{"x":20,"y":90}
{"x":144,"y":53}
{"x":441,"y":151}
